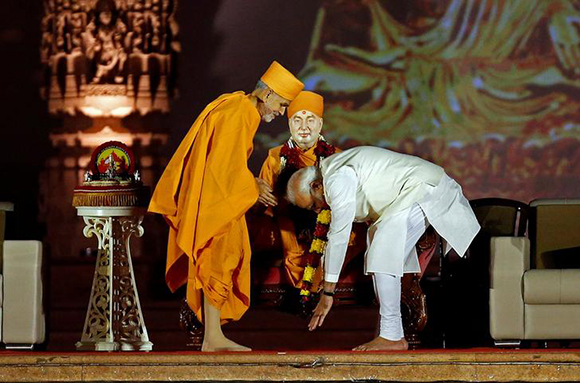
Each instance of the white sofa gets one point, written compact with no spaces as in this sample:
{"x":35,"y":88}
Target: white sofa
{"x":21,"y":293}
{"x":23,"y":318}
{"x":528,"y":300}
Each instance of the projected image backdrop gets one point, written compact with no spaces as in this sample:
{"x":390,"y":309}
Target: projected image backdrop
{"x":488,"y":89}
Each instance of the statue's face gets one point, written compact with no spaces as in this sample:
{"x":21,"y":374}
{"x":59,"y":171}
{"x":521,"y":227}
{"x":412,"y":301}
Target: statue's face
{"x":77,"y":20}
{"x":106,"y":17}
{"x":305,"y":128}
{"x":138,"y":20}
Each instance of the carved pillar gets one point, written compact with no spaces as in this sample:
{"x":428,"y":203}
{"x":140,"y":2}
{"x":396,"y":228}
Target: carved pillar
{"x":114,"y":319}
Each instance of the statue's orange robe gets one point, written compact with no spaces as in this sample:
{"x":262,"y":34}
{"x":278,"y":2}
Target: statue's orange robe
{"x":203,"y":194}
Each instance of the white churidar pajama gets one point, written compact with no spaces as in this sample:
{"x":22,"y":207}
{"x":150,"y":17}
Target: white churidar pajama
{"x":388,"y":286}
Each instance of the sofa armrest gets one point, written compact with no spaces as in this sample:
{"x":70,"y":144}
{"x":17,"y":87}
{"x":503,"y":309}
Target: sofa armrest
{"x":23,"y":314}
{"x":509,"y":260}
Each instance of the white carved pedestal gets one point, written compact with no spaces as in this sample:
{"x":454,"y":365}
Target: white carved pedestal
{"x":114,"y":319}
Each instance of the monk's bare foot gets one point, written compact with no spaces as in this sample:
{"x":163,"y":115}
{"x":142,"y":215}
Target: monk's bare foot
{"x":217,"y":344}
{"x":382,"y":344}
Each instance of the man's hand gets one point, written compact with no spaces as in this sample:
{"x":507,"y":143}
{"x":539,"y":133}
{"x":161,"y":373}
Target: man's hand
{"x":266,"y":197}
{"x":320,"y":312}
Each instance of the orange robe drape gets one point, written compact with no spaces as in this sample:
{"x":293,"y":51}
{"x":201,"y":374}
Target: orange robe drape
{"x":203,"y":194}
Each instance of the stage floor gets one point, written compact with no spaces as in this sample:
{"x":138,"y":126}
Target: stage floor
{"x":473,"y":365}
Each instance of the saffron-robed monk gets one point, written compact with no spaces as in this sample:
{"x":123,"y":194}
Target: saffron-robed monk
{"x":204,"y":193}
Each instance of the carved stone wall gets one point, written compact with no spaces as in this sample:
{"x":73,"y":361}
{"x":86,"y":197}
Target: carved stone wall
{"x":109,"y":57}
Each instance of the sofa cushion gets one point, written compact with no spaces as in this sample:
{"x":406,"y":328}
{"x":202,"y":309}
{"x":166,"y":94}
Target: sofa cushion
{"x":1,"y":299}
{"x":23,"y":316}
{"x":554,"y":233}
{"x":559,"y":286}
{"x":552,"y":322}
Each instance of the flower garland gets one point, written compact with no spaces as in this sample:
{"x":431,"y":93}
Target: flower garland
{"x":290,"y":154}
{"x":316,"y":252}
{"x":322,"y":150}
{"x":290,"y":161}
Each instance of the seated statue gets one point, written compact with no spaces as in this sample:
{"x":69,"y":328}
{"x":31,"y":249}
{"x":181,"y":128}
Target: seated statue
{"x":294,"y":226}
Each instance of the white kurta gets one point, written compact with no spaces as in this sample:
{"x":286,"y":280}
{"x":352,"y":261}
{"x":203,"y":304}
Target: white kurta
{"x":378,"y":186}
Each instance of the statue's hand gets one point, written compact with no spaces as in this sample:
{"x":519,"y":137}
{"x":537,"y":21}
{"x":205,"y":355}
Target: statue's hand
{"x":266,"y":196}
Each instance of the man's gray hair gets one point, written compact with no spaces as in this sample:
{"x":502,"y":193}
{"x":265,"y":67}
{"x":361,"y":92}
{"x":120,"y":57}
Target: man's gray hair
{"x":300,"y":182}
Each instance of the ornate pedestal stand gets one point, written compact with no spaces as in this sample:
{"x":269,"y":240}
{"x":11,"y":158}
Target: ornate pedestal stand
{"x":114,"y":319}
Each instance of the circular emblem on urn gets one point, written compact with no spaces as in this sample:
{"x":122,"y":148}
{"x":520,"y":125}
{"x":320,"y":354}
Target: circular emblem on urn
{"x":112,"y":179}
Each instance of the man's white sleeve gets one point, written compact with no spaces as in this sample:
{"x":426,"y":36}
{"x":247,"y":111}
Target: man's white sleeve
{"x":340,"y":190}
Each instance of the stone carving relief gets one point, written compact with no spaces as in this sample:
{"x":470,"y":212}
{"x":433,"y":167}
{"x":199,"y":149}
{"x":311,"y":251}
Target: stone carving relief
{"x":109,"y":57}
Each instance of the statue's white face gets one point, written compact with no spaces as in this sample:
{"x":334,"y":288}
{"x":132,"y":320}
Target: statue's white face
{"x":305,"y":128}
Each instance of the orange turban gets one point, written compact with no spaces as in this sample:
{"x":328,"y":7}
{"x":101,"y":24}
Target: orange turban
{"x":281,"y":81}
{"x":309,"y":101}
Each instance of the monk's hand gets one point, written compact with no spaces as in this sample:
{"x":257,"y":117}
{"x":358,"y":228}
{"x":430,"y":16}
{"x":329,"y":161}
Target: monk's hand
{"x":266,"y":197}
{"x":320,"y":312}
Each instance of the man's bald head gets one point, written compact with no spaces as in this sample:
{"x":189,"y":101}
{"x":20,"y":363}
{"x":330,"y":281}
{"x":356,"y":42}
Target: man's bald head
{"x":305,"y":189}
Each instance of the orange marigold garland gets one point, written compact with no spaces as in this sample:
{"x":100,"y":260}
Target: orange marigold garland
{"x":316,"y":251}
{"x":290,"y":154}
